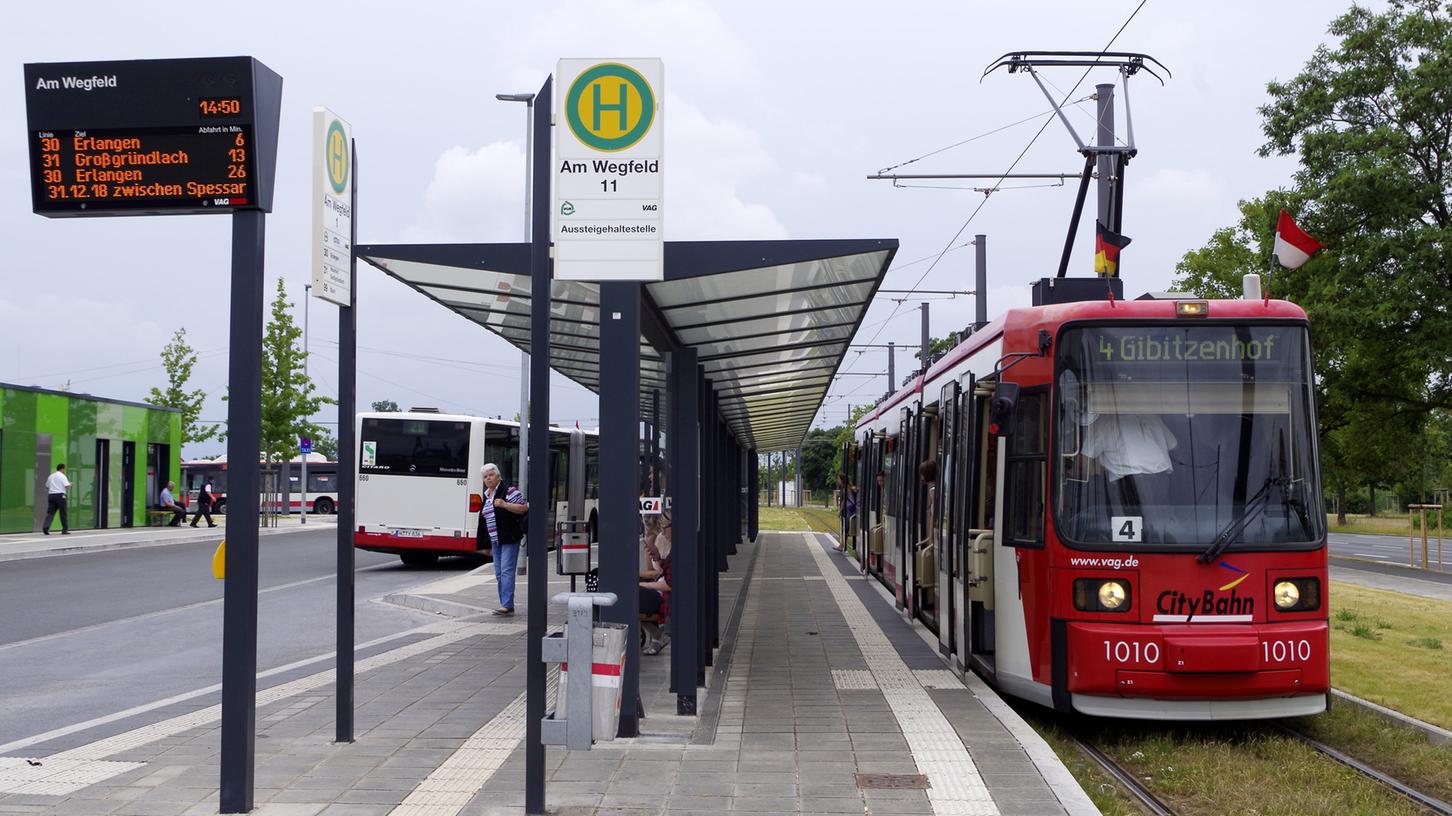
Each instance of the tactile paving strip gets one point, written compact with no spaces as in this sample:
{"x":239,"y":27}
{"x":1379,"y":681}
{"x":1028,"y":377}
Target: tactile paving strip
{"x":956,"y":788}
{"x":56,"y":777}
{"x":939,"y":679}
{"x":853,"y":679}
{"x":449,"y":788}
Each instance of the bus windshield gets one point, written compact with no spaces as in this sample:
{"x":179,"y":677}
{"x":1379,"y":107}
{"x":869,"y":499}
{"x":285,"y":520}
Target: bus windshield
{"x":1186,"y":437}
{"x":414,"y":447}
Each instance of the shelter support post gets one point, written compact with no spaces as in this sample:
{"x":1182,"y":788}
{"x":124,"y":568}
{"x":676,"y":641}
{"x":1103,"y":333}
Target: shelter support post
{"x":538,"y":467}
{"x":239,"y":592}
{"x":619,"y":461}
{"x":707,"y":418}
{"x":753,"y":511}
{"x":685,"y":480}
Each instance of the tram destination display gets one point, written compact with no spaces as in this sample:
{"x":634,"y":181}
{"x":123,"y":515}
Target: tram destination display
{"x":150,"y":137}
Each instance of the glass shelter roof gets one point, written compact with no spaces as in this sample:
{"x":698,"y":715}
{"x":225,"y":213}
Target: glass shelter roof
{"x":770,"y":320}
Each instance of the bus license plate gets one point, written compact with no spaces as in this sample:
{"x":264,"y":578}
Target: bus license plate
{"x":408,"y":533}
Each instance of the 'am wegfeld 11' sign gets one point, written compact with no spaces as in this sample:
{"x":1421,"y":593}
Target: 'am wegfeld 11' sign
{"x":608,"y":181}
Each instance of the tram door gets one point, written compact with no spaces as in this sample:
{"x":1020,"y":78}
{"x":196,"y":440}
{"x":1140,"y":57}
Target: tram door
{"x":900,"y":483}
{"x":924,"y":540}
{"x":950,"y":603}
{"x":979,"y":450}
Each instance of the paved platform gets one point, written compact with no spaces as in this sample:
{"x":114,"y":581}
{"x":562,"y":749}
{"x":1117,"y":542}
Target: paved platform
{"x":830,"y":702}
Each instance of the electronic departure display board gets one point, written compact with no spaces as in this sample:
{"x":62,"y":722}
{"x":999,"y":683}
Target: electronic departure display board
{"x":146,"y":137}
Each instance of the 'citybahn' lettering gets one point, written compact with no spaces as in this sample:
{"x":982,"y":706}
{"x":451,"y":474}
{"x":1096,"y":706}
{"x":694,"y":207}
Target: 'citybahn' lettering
{"x":1174,"y":602}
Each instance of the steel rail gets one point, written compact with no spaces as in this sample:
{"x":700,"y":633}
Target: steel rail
{"x":1429,"y":802}
{"x":1127,"y":780}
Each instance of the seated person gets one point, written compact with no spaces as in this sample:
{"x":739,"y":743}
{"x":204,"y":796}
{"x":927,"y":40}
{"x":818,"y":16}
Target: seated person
{"x":655,"y":582}
{"x":168,"y":502}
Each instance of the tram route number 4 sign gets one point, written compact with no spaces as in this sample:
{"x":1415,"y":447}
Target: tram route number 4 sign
{"x":607,"y":207}
{"x":1127,"y":529}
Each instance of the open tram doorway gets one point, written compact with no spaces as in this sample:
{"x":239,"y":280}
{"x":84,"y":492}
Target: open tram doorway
{"x":925,"y":497}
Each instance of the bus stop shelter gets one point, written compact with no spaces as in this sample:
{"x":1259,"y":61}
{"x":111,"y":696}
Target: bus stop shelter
{"x":730,"y":355}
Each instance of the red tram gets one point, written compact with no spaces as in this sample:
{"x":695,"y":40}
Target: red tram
{"x":1127,"y":519}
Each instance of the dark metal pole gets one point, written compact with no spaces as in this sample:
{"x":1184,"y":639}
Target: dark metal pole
{"x":753,"y":512}
{"x":685,"y":454}
{"x":980,"y":282}
{"x":244,"y":451}
{"x":891,"y":368}
{"x":1078,"y":210}
{"x":922,"y":355}
{"x":348,"y":484}
{"x":619,"y":475}
{"x":539,"y":439}
{"x":707,"y":550}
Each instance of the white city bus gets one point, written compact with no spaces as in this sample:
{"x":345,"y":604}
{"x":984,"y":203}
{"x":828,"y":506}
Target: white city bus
{"x":420,"y":480}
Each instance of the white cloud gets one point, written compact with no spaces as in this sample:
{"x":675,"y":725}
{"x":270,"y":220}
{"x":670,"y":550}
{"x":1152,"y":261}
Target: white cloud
{"x":474,"y":195}
{"x":708,"y":161}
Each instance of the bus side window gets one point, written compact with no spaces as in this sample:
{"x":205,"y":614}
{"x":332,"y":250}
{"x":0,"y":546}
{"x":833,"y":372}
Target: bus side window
{"x":1024,"y":474}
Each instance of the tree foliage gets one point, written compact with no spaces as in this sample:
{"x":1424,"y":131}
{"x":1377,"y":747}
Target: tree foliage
{"x":383,"y":406}
{"x":1370,"y":120}
{"x":288,"y":396}
{"x":178,"y":358}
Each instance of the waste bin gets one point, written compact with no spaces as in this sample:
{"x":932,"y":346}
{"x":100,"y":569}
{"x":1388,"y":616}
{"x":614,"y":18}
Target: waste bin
{"x":609,"y":646}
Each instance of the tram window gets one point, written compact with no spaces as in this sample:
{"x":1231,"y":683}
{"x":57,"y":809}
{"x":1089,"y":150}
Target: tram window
{"x":1024,"y":477}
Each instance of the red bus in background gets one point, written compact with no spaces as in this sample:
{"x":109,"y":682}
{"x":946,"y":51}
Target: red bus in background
{"x":1127,"y":518}
{"x":322,"y":485}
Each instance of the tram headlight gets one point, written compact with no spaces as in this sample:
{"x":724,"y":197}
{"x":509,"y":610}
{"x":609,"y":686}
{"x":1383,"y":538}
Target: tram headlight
{"x":1296,"y":594}
{"x":1101,"y":595}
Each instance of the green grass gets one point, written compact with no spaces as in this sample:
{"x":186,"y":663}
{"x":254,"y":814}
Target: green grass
{"x":1401,"y":752}
{"x":1382,"y":649}
{"x":1212,"y":769}
{"x":818,"y":519}
{"x":1390,"y":524}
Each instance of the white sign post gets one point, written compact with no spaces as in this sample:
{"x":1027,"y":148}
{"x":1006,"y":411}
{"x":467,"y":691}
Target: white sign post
{"x":608,"y":188}
{"x":332,"y":207}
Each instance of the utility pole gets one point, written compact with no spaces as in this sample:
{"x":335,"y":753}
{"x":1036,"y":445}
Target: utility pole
{"x":891,"y":369}
{"x":303,"y":508}
{"x":927,"y":341}
{"x":980,"y":275}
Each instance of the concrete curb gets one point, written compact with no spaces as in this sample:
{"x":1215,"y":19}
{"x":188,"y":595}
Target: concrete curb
{"x":1434,"y":734}
{"x":78,"y":547}
{"x":437,"y":606}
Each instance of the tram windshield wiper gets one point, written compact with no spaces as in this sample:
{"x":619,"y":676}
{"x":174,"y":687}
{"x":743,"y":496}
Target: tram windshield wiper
{"x":1252,"y":506}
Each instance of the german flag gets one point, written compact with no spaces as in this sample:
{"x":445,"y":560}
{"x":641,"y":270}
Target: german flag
{"x":1107,"y":244}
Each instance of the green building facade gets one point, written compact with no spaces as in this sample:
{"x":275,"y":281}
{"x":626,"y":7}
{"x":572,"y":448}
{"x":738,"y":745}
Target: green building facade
{"x":118,"y":456}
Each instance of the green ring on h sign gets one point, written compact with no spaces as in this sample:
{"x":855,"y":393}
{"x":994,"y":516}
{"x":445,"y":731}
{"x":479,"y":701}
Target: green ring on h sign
{"x":602,"y":71}
{"x":337,"y":171}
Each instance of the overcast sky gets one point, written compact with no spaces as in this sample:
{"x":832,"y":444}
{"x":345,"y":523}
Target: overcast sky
{"x":774,"y":114}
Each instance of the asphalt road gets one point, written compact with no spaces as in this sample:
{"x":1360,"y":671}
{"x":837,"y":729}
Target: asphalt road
{"x":83,"y":636}
{"x":1385,"y":547}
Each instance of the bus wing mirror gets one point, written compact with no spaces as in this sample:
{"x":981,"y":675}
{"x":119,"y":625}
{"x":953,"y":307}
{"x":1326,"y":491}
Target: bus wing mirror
{"x":1000,"y":410}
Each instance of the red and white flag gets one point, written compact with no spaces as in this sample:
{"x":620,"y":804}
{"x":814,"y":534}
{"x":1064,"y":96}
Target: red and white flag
{"x":1293,"y":247}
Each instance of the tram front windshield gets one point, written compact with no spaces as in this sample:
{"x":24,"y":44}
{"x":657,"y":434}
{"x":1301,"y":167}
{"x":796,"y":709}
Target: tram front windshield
{"x":1186,"y":437}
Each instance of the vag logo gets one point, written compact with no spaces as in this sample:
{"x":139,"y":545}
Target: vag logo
{"x":610,"y":107}
{"x":1209,"y":606}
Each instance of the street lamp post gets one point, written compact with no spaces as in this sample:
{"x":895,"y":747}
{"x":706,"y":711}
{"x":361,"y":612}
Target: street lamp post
{"x":528,"y":100}
{"x":303,"y":508}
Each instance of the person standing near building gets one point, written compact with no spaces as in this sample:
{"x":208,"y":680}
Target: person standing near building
{"x":168,"y":502}
{"x":55,"y":499}
{"x":204,"y":503}
{"x":502,"y":520}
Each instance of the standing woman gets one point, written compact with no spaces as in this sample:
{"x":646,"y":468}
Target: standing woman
{"x":502,"y":520}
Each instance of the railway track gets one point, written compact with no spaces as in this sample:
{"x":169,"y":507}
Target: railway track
{"x":1431,"y":803}
{"x":1131,"y":784}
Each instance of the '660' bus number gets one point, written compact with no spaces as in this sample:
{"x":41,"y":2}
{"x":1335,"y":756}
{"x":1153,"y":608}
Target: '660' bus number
{"x":1131,"y":651}
{"x":1280,"y":651}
